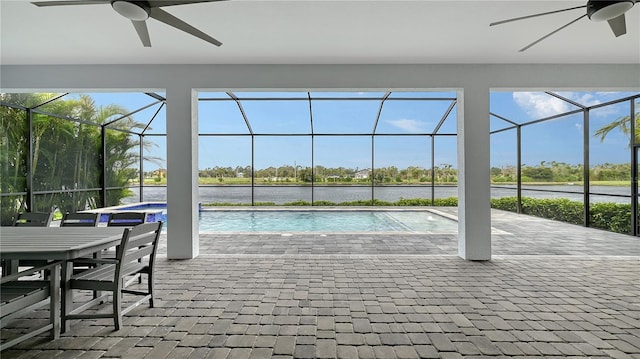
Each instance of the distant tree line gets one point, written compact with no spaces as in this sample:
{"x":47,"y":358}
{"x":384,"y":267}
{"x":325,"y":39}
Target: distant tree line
{"x":563,"y":172}
{"x":552,"y":171}
{"x":444,"y":173}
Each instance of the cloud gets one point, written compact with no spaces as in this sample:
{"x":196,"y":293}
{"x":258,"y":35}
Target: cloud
{"x":586,"y":99}
{"x":408,"y":125}
{"x":538,"y":104}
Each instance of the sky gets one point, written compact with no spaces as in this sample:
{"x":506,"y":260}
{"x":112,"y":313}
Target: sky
{"x":558,"y":140}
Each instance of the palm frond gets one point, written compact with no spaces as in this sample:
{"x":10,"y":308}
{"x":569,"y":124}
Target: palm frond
{"x":623,"y":124}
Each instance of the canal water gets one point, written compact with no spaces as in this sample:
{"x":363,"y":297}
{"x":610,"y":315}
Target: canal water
{"x":337,"y":194}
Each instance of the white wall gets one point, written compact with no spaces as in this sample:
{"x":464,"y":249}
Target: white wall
{"x":473,"y":81}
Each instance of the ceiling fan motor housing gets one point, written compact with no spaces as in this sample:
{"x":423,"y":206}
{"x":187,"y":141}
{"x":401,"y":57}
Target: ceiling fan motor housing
{"x":132,"y":9}
{"x":599,"y":10}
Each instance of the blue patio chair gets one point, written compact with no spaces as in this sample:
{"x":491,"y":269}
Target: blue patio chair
{"x":126,"y":219}
{"x":80,"y":219}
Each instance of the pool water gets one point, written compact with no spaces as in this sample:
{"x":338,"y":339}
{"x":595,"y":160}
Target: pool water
{"x":324,"y":221}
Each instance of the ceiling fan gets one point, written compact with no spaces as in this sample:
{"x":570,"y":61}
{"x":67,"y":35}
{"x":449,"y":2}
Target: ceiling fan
{"x":138,"y":11}
{"x":597,"y":10}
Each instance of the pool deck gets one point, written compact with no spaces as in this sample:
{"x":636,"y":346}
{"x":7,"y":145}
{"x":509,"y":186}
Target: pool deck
{"x":551,"y":290}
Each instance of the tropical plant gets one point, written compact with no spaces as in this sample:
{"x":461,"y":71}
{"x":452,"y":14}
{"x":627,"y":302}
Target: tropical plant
{"x":623,"y":124}
{"x":66,"y":153}
{"x":13,"y":160}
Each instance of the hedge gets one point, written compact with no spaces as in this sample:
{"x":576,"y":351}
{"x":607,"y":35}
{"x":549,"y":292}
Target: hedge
{"x":610,"y":216}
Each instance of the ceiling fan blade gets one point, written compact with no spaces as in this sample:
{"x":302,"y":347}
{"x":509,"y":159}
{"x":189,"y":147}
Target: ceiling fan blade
{"x":162,"y":3}
{"x":143,"y":32}
{"x":535,"y":15}
{"x":618,"y":25}
{"x":70,"y":2}
{"x":551,"y":33}
{"x":171,"y":20}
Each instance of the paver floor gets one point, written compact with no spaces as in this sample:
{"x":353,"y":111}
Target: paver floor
{"x":551,"y":290}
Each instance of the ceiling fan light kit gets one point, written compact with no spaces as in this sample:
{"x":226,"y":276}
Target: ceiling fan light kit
{"x":597,"y":10}
{"x":132,"y":10}
{"x":607,"y":10}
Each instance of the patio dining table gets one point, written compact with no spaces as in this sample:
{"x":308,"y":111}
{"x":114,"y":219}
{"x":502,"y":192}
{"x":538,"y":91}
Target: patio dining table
{"x":56,"y":243}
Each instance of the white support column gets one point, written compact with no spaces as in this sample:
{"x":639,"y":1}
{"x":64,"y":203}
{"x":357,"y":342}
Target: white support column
{"x":474,"y":192}
{"x":182,"y":173}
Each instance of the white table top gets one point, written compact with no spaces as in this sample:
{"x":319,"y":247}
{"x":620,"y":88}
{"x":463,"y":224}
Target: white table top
{"x":56,"y":243}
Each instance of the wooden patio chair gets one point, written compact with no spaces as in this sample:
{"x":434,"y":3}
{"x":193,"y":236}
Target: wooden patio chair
{"x":30,"y":219}
{"x":19,"y":296}
{"x":80,"y":219}
{"x":126,"y":219}
{"x":139,"y":242}
{"x":33,"y":219}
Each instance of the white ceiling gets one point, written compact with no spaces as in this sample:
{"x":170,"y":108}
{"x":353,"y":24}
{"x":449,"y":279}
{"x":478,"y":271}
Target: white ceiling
{"x":316,"y":32}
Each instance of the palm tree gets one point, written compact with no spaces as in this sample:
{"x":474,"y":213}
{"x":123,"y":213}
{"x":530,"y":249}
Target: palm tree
{"x":13,"y":161}
{"x":66,"y":154}
{"x":623,"y":124}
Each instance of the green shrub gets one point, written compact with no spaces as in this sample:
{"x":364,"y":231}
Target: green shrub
{"x":264,"y":204}
{"x":224,"y":204}
{"x":297,"y":203}
{"x":366,"y":202}
{"x":505,"y":203}
{"x":413,"y":202}
{"x":323,"y":203}
{"x":609,"y":216}
{"x":446,"y":202}
{"x":559,"y":209}
{"x":442,"y":202}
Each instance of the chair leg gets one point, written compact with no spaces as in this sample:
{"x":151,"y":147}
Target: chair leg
{"x":150,"y":288}
{"x":117,"y":310}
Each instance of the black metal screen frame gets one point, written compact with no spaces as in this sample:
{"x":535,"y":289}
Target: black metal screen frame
{"x":313,"y":135}
{"x":585,"y":111}
{"x":30,"y":193}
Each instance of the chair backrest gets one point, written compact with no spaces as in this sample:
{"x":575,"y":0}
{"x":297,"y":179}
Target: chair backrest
{"x":80,"y":220}
{"x":33,"y":219}
{"x":126,"y":219}
{"x":137,"y":243}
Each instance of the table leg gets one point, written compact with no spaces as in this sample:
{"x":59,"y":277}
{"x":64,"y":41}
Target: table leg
{"x":9,"y":266}
{"x":67,"y":295}
{"x":54,"y":305}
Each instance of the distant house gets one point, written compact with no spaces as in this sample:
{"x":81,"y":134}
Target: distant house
{"x":240,"y":174}
{"x":160,"y":173}
{"x":362,"y":174}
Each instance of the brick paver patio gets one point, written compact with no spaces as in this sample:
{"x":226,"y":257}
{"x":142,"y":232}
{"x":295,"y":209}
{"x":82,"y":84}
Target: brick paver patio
{"x":551,"y":290}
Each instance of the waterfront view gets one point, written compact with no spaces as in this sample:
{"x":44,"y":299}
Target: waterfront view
{"x":375,"y":148}
{"x":285,"y":194}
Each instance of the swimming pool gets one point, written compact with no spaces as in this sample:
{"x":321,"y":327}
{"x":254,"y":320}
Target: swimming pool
{"x":284,"y":221}
{"x":291,"y":220}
